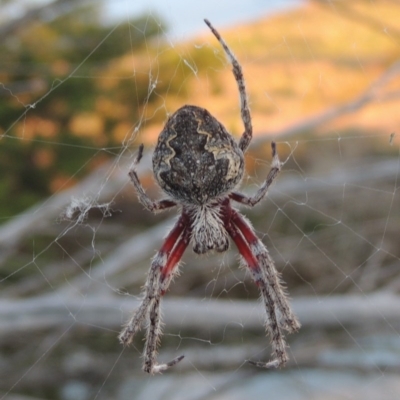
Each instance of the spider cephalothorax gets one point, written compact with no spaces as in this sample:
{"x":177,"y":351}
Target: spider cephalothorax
{"x":198,"y":164}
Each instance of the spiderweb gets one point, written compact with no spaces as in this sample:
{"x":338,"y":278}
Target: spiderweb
{"x":75,"y":244}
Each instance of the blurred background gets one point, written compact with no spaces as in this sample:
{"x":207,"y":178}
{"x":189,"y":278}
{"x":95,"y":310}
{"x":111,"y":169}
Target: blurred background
{"x":83,"y":83}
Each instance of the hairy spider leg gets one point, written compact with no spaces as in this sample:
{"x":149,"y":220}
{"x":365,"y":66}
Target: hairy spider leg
{"x":150,"y":353}
{"x":271,"y":276}
{"x":153,"y":206}
{"x":259,"y":250}
{"x":152,"y":283}
{"x":251,"y":261}
{"x":154,"y":329}
{"x":167,"y":272}
{"x":244,"y":104}
{"x":251,"y":201}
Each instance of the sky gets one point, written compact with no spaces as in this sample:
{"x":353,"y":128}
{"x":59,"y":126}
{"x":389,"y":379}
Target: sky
{"x":185,"y":18}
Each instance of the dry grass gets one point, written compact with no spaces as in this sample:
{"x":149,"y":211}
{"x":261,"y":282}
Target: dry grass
{"x":295,"y":64}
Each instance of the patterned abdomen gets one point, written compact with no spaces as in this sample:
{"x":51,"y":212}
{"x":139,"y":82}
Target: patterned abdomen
{"x":196,"y":159}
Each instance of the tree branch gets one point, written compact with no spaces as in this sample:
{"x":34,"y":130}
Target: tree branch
{"x":110,"y":312}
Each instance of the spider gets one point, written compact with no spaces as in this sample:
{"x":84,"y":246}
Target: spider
{"x":198,"y":164}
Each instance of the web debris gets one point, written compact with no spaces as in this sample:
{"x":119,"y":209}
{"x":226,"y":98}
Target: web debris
{"x":78,"y":210}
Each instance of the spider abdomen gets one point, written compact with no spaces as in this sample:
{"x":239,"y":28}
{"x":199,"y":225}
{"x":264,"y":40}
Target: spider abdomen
{"x":196,"y":159}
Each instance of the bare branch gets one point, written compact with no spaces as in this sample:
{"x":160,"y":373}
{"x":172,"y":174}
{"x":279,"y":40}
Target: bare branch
{"x":109,"y":312}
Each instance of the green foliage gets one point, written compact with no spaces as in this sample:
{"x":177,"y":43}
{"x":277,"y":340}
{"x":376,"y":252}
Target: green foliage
{"x":58,"y":67}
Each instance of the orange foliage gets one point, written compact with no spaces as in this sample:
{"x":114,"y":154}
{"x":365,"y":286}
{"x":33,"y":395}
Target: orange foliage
{"x":34,"y":126}
{"x":88,"y":124}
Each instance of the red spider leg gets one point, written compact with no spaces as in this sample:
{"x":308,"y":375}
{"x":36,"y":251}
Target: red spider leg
{"x":151,"y":287}
{"x":167,"y":271}
{"x":173,"y":235}
{"x":267,"y":265}
{"x":278,"y":342}
{"x":165,"y":278}
{"x":243,"y":247}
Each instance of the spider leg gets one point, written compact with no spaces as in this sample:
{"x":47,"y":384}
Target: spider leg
{"x":152,"y":283}
{"x":272,"y":325}
{"x":154,"y":329}
{"x":160,"y":276}
{"x":153,"y":206}
{"x":150,"y":365}
{"x":244,"y":104}
{"x":273,"y":173}
{"x":271,"y":276}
